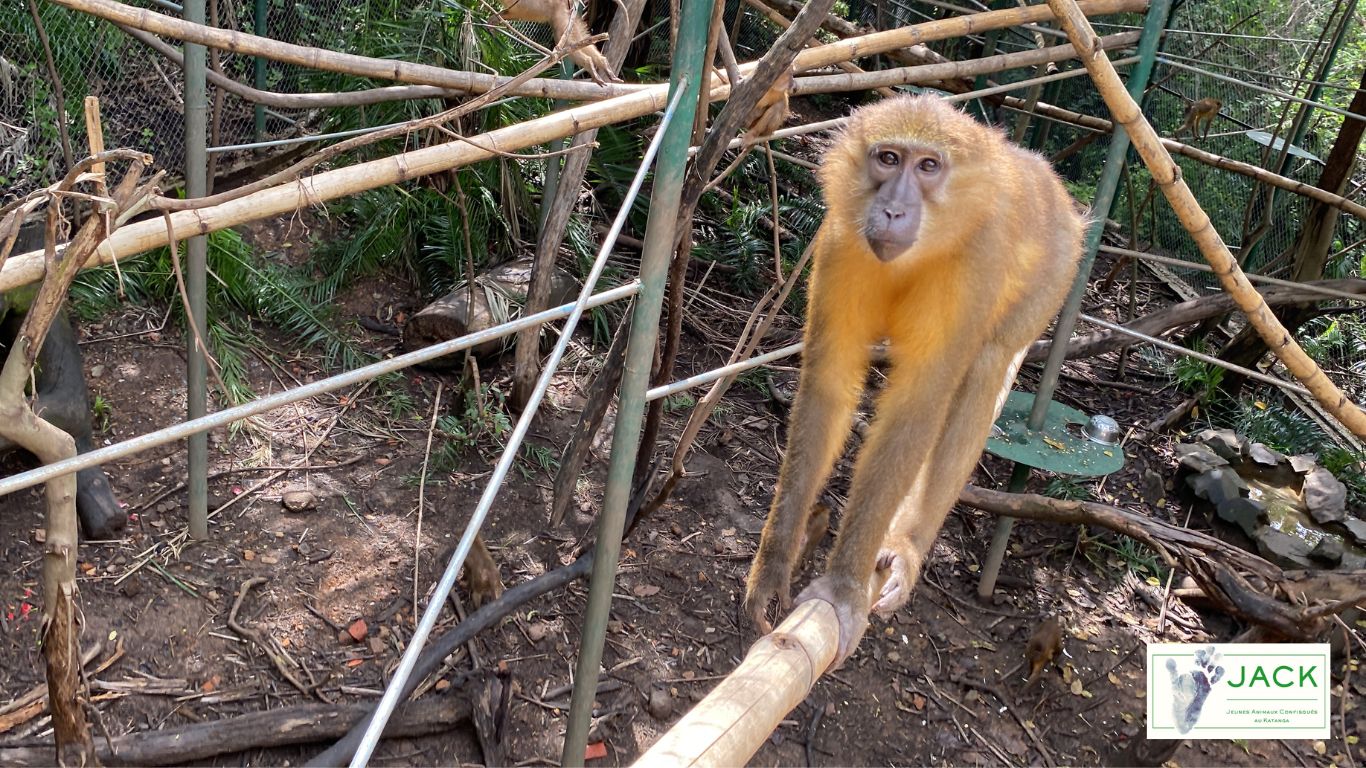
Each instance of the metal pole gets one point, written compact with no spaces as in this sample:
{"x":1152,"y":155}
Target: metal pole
{"x":398,"y":687}
{"x":196,"y":248}
{"x":640,"y":349}
{"x":1153,"y":27}
{"x":259,"y":75}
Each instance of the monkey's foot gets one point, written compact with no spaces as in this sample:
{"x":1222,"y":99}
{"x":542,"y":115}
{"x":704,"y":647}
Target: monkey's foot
{"x":766,"y":584}
{"x":897,"y":578}
{"x":851,"y":610}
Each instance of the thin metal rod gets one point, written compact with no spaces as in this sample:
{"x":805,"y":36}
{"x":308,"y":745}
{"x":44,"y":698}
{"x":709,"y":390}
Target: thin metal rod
{"x":394,"y":692}
{"x":1212,"y":360}
{"x":1244,"y":83}
{"x":1202,"y":267}
{"x":660,"y":230}
{"x":196,"y":252}
{"x":222,"y":418}
{"x":664,"y":390}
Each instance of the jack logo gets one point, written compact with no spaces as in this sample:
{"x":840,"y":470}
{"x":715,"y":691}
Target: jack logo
{"x":1238,"y":691}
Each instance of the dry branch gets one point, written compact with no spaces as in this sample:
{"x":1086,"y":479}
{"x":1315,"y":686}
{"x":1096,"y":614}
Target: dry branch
{"x":301,"y":724}
{"x":1168,"y":319}
{"x":1167,"y":174}
{"x":1237,"y":581}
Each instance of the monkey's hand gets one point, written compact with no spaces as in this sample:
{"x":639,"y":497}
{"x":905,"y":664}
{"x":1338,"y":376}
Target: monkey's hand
{"x":895,"y":573}
{"x":850,"y":601}
{"x":769,"y":579}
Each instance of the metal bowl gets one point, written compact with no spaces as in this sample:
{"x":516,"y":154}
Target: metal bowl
{"x":1102,"y":429}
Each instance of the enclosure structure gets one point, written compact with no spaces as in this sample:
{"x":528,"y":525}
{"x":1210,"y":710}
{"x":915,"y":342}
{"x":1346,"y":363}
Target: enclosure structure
{"x":134,"y":238}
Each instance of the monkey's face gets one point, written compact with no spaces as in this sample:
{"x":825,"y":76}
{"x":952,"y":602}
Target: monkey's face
{"x":904,"y":177}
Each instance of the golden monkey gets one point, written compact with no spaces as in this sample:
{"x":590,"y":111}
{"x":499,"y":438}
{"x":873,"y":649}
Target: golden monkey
{"x":957,"y":247}
{"x":559,"y":14}
{"x":1202,"y":111}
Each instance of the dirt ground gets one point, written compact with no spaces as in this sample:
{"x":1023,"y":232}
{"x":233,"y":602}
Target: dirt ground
{"x":940,"y":683}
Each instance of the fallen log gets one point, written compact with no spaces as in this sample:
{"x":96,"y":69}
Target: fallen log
{"x":493,"y":297}
{"x":275,"y":728}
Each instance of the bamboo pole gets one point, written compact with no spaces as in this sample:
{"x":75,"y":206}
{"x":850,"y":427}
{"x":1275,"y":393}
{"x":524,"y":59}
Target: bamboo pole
{"x":331,"y":61}
{"x":473,"y":82}
{"x":1167,"y":174}
{"x":924,"y":73}
{"x":135,"y":238}
{"x":957,"y":26}
{"x":733,"y":721}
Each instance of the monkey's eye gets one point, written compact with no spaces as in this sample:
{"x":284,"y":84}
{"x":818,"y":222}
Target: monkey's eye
{"x":928,"y":165}
{"x":889,"y":158}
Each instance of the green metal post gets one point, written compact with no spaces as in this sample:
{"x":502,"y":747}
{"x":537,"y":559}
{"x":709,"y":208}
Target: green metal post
{"x":259,"y":74}
{"x":1153,"y":27}
{"x":640,"y":349}
{"x":196,"y":249}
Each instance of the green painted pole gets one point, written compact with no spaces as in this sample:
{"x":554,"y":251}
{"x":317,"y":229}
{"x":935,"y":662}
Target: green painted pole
{"x":259,"y":65}
{"x":640,"y":350}
{"x":1153,"y":27}
{"x":196,"y":250}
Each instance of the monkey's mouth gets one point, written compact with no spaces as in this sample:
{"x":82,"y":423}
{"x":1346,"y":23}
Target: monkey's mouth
{"x":888,"y":250}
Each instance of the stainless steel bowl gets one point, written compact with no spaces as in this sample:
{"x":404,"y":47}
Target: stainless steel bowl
{"x":1102,"y":429}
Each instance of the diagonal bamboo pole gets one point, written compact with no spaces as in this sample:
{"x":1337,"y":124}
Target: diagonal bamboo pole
{"x":1167,"y":174}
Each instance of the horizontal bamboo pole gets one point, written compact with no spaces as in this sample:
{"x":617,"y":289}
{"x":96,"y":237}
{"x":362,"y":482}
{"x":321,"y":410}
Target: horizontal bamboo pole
{"x":135,"y":238}
{"x":733,"y":721}
{"x":473,"y":82}
{"x":957,"y":26}
{"x":332,"y":61}
{"x":925,"y":73}
{"x":1167,"y":174}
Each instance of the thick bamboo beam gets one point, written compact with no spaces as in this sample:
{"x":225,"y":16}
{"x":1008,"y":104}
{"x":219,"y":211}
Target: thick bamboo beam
{"x":1167,"y":174}
{"x":733,"y":721}
{"x":319,"y":188}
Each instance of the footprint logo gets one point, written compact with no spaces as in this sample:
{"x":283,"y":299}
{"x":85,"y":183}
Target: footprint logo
{"x":1191,"y":688}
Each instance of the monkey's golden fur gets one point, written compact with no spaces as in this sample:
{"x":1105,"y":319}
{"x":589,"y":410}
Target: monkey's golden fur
{"x":560,"y":15}
{"x":993,"y":256}
{"x":1199,"y":112}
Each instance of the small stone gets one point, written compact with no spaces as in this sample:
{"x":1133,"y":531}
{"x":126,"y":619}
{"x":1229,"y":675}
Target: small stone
{"x":659,"y":704}
{"x":1329,"y":550}
{"x":1324,"y":496}
{"x":376,"y":645}
{"x":96,"y":371}
{"x":358,"y":630}
{"x":1217,"y":485}
{"x":298,"y":499}
{"x":537,"y":631}
{"x":1247,"y":514}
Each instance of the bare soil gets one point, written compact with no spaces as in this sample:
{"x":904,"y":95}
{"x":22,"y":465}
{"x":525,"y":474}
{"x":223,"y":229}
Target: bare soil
{"x":940,"y":683}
